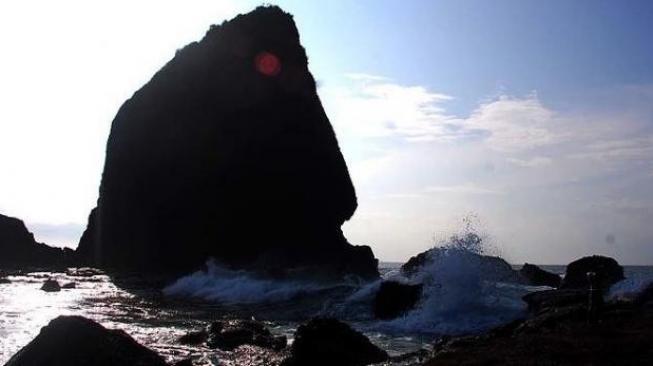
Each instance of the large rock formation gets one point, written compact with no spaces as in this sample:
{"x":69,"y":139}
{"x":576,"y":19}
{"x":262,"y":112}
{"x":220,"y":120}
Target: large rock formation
{"x":77,"y":341}
{"x":19,"y":249}
{"x":227,"y":152}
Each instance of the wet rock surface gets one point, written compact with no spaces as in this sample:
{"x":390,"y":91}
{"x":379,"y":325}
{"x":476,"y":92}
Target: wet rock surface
{"x":230,"y":334}
{"x":77,"y":341}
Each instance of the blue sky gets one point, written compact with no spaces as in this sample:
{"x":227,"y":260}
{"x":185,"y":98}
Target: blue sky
{"x":533,"y":117}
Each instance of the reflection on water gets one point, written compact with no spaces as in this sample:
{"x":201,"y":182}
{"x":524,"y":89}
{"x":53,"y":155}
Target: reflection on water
{"x":153,"y":320}
{"x":25,"y":308}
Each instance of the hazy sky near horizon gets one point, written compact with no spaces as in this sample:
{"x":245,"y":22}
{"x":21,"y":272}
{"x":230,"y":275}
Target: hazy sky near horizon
{"x":534,"y":117}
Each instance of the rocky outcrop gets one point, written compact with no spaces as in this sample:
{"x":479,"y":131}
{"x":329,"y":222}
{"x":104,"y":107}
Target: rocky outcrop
{"x":607,"y":270}
{"x":330,"y":342}
{"x":536,"y":276}
{"x":77,"y":341}
{"x":230,"y":334}
{"x":559,"y":335}
{"x":19,"y":249}
{"x":394,"y":299}
{"x":227,"y":152}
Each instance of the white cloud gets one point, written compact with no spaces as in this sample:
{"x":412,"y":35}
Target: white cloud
{"x":514,"y":124}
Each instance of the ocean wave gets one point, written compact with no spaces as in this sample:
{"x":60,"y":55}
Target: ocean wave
{"x":219,"y":284}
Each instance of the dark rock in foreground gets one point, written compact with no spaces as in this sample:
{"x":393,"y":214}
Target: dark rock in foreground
{"x":623,"y":335}
{"x":394,"y":299}
{"x":77,"y":341}
{"x":230,"y":334}
{"x":330,"y":342}
{"x":227,"y":152}
{"x":536,"y":276}
{"x":19,"y":249}
{"x":540,"y":300}
{"x":608,"y":272}
{"x":51,"y":285}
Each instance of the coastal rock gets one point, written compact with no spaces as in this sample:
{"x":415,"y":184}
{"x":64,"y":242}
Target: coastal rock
{"x":536,"y":276}
{"x":4,"y":281}
{"x":227,"y":153}
{"x":330,"y":342}
{"x":69,"y":285}
{"x":394,"y":299}
{"x":230,"y":334}
{"x":77,"y":341}
{"x":51,"y":285}
{"x":608,"y":272}
{"x":19,"y":249}
{"x":558,"y":336}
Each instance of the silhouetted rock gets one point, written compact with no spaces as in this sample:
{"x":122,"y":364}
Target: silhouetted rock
{"x":536,"y":276}
{"x":77,"y":341}
{"x":69,"y":285}
{"x":394,"y":299}
{"x":331,"y":342}
{"x":18,"y":249}
{"x":227,"y":152}
{"x":608,"y":272}
{"x":558,"y":336}
{"x":51,"y":285}
{"x":230,"y":334}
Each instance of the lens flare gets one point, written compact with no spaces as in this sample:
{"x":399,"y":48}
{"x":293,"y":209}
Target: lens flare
{"x":268,"y":64}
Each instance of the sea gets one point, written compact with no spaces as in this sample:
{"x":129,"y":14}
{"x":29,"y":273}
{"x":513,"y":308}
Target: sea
{"x":458,"y":299}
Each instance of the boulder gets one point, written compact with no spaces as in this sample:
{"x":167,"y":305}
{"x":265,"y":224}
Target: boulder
{"x":69,"y":285}
{"x":230,"y":334}
{"x":325,"y":341}
{"x":607,"y":270}
{"x":394,"y":299}
{"x":77,"y":341}
{"x":536,"y":276}
{"x":19,"y":249}
{"x":227,"y":153}
{"x":51,"y":285}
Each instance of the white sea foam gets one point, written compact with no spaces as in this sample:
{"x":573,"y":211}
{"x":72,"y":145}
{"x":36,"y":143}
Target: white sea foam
{"x":458,"y":297}
{"x":634,"y":283}
{"x":226,"y":286}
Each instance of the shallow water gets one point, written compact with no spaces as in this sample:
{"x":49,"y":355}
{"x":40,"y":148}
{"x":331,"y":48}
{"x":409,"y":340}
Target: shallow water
{"x":461,"y":303}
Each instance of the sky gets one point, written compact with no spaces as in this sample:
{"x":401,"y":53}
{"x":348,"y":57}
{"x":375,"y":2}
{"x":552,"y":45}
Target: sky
{"x":534,"y":119}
